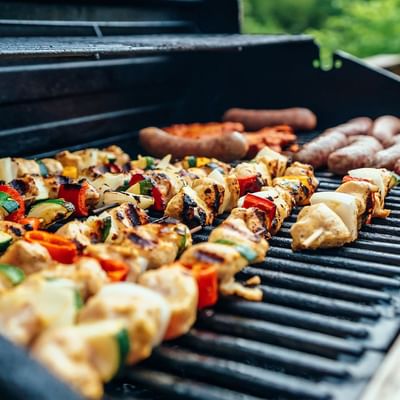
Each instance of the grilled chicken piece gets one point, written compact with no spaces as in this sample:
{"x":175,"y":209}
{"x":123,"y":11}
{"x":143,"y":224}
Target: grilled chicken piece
{"x":364,"y":194}
{"x":126,"y":254}
{"x":211,"y":192}
{"x":299,"y":187}
{"x":275,"y":163}
{"x":248,"y":169}
{"x":343,"y":205}
{"x":254,"y":218}
{"x":168,"y":183}
{"x":121,"y":158}
{"x":14,"y":229}
{"x":146,"y":315}
{"x":188,"y":207}
{"x":86,"y":272}
{"x":123,"y":217}
{"x":109,"y":182}
{"x":26,"y":167}
{"x":83,"y":159}
{"x":177,"y":285}
{"x":234,"y":231}
{"x":83,"y":233}
{"x":297,"y":168}
{"x":35,"y":305}
{"x":54,"y":167}
{"x":160,"y":244}
{"x":283,"y":202}
{"x":317,"y":226}
{"x":30,"y":257}
{"x":228,"y":262}
{"x":66,"y":354}
{"x":33,"y":187}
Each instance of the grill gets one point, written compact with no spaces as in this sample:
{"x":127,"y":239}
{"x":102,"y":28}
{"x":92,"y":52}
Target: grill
{"x":86,"y":74}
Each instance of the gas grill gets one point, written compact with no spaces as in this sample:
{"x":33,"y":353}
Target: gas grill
{"x":84,"y":74}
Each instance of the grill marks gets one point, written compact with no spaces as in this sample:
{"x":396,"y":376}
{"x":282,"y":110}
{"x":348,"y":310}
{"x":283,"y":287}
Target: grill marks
{"x":325,"y":323}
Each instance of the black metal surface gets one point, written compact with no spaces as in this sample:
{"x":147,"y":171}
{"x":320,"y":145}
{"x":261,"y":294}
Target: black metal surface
{"x":323,"y":328}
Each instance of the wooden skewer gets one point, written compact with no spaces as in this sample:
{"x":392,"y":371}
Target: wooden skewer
{"x":104,"y":208}
{"x":157,"y":221}
{"x":313,"y":237}
{"x":196,"y":229}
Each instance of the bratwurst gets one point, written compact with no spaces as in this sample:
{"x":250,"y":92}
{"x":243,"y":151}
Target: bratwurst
{"x":298,"y":118}
{"x":227,"y":146}
{"x":387,"y":158}
{"x":360,"y":153}
{"x":385,"y":128}
{"x":318,"y":150}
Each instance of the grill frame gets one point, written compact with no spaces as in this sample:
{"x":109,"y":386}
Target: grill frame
{"x":93,"y":89}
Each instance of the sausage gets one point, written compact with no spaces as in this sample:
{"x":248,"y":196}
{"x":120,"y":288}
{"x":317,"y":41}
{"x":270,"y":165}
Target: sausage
{"x":360,"y":153}
{"x":228,"y":146}
{"x":297,"y":118}
{"x":385,"y":128}
{"x":355,"y":126}
{"x":387,"y":158}
{"x":317,"y":151}
{"x":397,"y":167}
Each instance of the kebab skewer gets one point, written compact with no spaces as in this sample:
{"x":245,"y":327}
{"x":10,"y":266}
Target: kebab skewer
{"x":334,"y":218}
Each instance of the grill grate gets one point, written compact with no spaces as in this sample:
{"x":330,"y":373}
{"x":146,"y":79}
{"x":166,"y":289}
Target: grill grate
{"x":323,"y":328}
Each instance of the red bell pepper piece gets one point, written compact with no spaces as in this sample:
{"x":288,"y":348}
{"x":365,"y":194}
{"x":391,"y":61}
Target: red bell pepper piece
{"x":116,"y":270}
{"x":114,"y":168}
{"x":75,"y":193}
{"x":14,"y":195}
{"x":135,"y":178}
{"x":249,"y":184}
{"x":159,"y":203}
{"x":266,"y":205}
{"x":60,"y":249}
{"x":207,"y":283}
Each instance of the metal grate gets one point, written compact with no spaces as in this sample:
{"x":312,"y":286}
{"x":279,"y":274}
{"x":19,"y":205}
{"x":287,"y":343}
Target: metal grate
{"x":323,"y":328}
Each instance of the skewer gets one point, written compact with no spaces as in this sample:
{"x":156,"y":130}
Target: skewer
{"x":99,"y":210}
{"x":313,"y":237}
{"x":196,"y":229}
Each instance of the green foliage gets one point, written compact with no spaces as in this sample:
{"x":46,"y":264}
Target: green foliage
{"x":360,"y":27}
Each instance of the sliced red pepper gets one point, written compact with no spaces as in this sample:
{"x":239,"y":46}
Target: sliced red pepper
{"x":207,"y":282}
{"x":114,"y":168}
{"x":135,"y":179}
{"x":249,"y":184}
{"x":116,"y":270}
{"x":159,"y":202}
{"x":75,"y":193}
{"x":266,"y":205}
{"x":14,"y":195}
{"x":30,"y":223}
{"x":59,"y":248}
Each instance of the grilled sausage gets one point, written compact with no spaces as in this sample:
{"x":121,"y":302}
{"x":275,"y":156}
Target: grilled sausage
{"x":397,"y":167}
{"x":318,"y":150}
{"x":385,"y":128}
{"x":355,"y":126}
{"x":297,"y":118}
{"x":226,"y":147}
{"x":360,"y":153}
{"x":387,"y":158}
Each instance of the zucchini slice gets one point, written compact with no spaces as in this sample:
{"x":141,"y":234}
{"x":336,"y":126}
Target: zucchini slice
{"x":109,"y":345}
{"x":51,"y":211}
{"x":5,"y":240}
{"x":13,"y":274}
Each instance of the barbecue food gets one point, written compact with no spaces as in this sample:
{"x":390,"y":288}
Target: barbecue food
{"x":359,"y":153}
{"x":334,"y":218}
{"x":318,"y":150}
{"x":298,"y":118}
{"x":388,"y":157}
{"x":226,"y":146}
{"x":177,"y":285}
{"x":317,"y":227}
{"x":354,"y":127}
{"x":385,"y":128}
{"x":146,"y":315}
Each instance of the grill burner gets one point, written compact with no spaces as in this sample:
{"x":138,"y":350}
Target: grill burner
{"x":326,"y":321}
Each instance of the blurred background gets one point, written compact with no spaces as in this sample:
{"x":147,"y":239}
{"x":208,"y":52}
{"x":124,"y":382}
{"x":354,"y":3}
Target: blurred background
{"x":366,"y":28}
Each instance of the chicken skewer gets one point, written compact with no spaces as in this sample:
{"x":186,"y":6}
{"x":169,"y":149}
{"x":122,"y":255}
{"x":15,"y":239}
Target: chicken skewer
{"x":334,"y":218}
